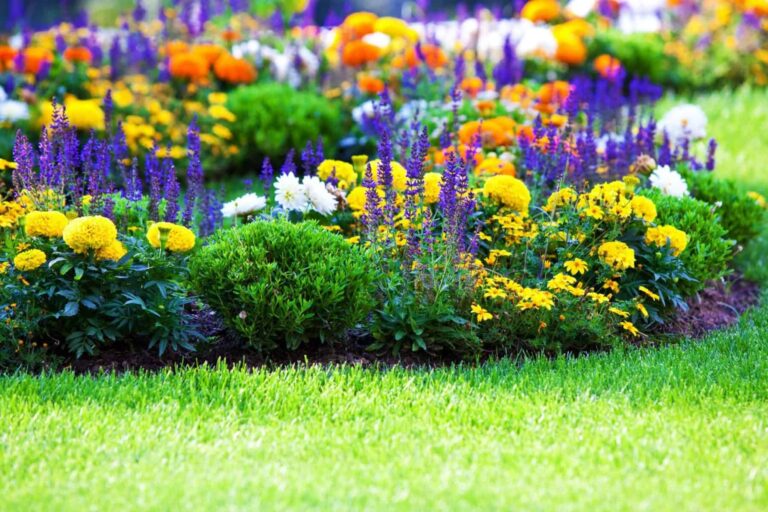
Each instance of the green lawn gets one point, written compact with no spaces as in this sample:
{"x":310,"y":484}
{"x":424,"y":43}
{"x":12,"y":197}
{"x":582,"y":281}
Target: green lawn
{"x":679,"y":428}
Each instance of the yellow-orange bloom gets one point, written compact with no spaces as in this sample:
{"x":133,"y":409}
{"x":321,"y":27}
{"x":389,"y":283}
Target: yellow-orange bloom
{"x":234,"y":71}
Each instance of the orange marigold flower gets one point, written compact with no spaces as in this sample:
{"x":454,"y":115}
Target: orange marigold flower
{"x":359,"y":53}
{"x":370,"y":84}
{"x":7,"y":54}
{"x":230,"y":35}
{"x":189,"y":66}
{"x":571,"y":49}
{"x":175,"y":48}
{"x":472,"y":85}
{"x":608,"y":67}
{"x":432,"y":55}
{"x":234,"y":71}
{"x":491,"y":134}
{"x":210,"y":52}
{"x":541,"y":10}
{"x":78,"y":54}
{"x":34,"y":58}
{"x":496,"y":166}
{"x":554,"y":92}
{"x":358,"y":24}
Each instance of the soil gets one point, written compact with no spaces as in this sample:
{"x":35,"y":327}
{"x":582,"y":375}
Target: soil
{"x":716,"y":307}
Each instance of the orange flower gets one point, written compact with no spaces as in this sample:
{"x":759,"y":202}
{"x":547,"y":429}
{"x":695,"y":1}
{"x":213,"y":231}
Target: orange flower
{"x":554,"y":92}
{"x":7,"y":54}
{"x":78,"y":54}
{"x":234,"y":71}
{"x":541,"y":10}
{"x":230,"y":35}
{"x":433,"y":55}
{"x":607,"y":66}
{"x":440,"y":156}
{"x":210,"y":52}
{"x":358,"y":24}
{"x":175,"y":48}
{"x":370,"y":84}
{"x":472,"y":85}
{"x":34,"y":58}
{"x":359,"y":53}
{"x":496,"y":166}
{"x":571,"y":49}
{"x":189,"y":66}
{"x":491,"y":134}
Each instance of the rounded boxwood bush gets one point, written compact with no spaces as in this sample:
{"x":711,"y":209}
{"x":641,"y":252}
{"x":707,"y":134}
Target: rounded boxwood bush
{"x":280,"y":284}
{"x":740,"y":215}
{"x":274,"y":118}
{"x":709,"y":248}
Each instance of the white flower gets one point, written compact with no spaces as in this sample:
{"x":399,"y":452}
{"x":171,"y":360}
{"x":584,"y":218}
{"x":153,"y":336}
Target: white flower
{"x":581,"y":8}
{"x":640,"y":16}
{"x":244,"y":205}
{"x":669,"y":182}
{"x":12,"y":110}
{"x":536,"y":41}
{"x":684,"y":122}
{"x":377,"y":39}
{"x":289,"y":193}
{"x":320,"y":199}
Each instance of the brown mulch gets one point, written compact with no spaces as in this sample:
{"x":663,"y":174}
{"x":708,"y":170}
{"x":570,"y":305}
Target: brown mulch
{"x":716,"y":307}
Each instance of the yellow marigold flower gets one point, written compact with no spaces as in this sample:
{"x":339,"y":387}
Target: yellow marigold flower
{"x":508,"y":191}
{"x":561,"y":282}
{"x":433,"y":181}
{"x":353,"y":240}
{"x":531,"y":298}
{"x":594,"y":212}
{"x":174,"y":152}
{"x":222,"y":131}
{"x":29,"y":260}
{"x":630,"y":327}
{"x":217,"y":98}
{"x":619,"y":312}
{"x":4,"y":267}
{"x":611,"y":285}
{"x":356,"y":199}
{"x":482,"y":314}
{"x":177,"y":238}
{"x":617,"y":254}
{"x":399,"y":178}
{"x":758,"y":198}
{"x":47,"y":224}
{"x":648,"y":292}
{"x":343,"y":171}
{"x":221,"y":112}
{"x":576,"y":266}
{"x":112,"y":252}
{"x":643,"y":208}
{"x":89,"y":233}
{"x":561,"y":197}
{"x":662,"y":235}
{"x":495,"y":293}
{"x":82,"y":114}
{"x":5,"y":165}
{"x":642,"y":309}
{"x":598,"y":297}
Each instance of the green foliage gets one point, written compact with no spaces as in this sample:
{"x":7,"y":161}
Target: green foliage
{"x":640,"y":54}
{"x":424,"y":304}
{"x":739,"y":214}
{"x":274,"y":118}
{"x":85,"y":305}
{"x":280,"y":284}
{"x":709,"y":250}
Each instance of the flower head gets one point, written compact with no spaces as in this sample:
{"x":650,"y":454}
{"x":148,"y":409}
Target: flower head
{"x":318,"y":196}
{"x":290,"y":193}
{"x":29,"y":260}
{"x":684,"y":122}
{"x":89,"y":233}
{"x":617,"y":254}
{"x":660,"y":236}
{"x":244,"y":205}
{"x":112,"y":252}
{"x":670,"y":182}
{"x":508,"y":191}
{"x":176,"y":238}
{"x":47,"y":224}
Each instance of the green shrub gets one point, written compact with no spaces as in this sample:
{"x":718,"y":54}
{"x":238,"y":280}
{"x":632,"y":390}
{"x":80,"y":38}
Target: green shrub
{"x":740,"y":215}
{"x":709,"y":249}
{"x":273,"y":118}
{"x":283,"y":284}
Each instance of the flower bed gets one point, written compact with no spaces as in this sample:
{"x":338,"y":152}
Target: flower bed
{"x":475,"y":206}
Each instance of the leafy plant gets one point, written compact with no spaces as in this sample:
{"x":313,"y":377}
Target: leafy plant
{"x":280,"y":284}
{"x":273,"y":118}
{"x":739,"y":214}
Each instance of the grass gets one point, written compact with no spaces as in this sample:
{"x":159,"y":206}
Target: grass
{"x":683,"y":427}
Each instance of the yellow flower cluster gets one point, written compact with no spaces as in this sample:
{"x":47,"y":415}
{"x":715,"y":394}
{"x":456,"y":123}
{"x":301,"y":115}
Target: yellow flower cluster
{"x":49,"y":224}
{"x":89,"y":233}
{"x":344,"y":172}
{"x":617,"y":254}
{"x":29,"y":260}
{"x":508,"y":191}
{"x":606,"y":201}
{"x":565,"y":283}
{"x":170,"y":236}
{"x":10,"y":211}
{"x":660,"y":236}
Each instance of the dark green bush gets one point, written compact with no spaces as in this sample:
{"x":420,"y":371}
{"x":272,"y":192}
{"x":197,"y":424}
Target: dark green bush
{"x":739,"y":214}
{"x":283,"y":285}
{"x":709,"y":249}
{"x":274,"y":118}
